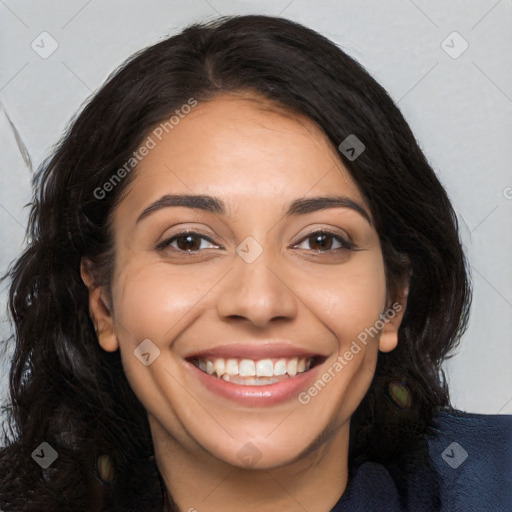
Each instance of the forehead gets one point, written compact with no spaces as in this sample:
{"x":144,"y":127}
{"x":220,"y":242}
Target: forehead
{"x":244,"y":149}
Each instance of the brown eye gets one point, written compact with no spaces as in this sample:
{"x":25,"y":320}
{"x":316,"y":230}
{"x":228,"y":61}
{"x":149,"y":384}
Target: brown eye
{"x":324,"y":241}
{"x":320,"y":241}
{"x":188,"y":242}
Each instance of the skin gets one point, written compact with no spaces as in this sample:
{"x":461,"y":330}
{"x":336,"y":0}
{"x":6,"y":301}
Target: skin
{"x":257,"y":159}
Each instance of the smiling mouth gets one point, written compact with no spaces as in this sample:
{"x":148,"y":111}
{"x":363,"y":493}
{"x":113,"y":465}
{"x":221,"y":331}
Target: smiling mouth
{"x":251,"y":372}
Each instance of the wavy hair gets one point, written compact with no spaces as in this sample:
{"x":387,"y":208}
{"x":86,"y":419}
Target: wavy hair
{"x":67,"y":391}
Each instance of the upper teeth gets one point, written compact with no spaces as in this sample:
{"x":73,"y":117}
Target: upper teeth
{"x":254,"y":368}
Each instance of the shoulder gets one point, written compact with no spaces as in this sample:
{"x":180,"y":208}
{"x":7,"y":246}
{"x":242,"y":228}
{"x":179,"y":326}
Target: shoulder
{"x":473,"y":456}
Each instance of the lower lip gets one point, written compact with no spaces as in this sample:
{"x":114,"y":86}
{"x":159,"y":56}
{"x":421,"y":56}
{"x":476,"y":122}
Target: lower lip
{"x":263,"y":396}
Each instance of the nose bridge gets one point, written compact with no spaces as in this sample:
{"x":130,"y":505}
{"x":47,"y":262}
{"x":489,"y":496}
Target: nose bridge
{"x":255,"y":290}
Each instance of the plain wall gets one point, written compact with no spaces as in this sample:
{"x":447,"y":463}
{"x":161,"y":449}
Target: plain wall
{"x":459,"y":107}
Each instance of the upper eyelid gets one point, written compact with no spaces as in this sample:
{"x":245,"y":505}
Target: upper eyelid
{"x":167,"y":240}
{"x":331,"y":231}
{"x":344,"y":239}
{"x":311,"y":228}
{"x":189,"y":230}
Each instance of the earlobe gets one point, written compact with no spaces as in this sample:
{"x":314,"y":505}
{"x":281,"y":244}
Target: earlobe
{"x":99,"y":311}
{"x":392,"y":319}
{"x":107,"y":338}
{"x":389,"y":336}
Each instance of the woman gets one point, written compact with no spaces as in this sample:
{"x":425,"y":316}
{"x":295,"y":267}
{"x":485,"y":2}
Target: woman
{"x":242,"y":279}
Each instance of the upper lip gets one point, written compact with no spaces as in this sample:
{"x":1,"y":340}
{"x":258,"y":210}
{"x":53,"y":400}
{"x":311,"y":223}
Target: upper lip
{"x":255,"y":351}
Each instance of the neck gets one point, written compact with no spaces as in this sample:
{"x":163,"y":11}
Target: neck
{"x":198,"y":482}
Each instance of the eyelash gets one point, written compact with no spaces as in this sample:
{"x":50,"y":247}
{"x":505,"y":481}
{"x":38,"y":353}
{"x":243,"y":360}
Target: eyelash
{"x":167,"y":243}
{"x":345,"y":243}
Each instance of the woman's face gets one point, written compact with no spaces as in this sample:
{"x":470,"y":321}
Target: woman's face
{"x":281,"y":271}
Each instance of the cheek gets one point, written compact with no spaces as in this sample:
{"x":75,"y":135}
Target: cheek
{"x":153,"y":301}
{"x":348,"y":300}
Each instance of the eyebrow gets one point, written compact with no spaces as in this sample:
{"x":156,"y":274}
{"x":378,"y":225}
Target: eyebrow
{"x":216,"y":205}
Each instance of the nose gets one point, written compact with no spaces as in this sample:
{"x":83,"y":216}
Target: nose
{"x":257,"y":292}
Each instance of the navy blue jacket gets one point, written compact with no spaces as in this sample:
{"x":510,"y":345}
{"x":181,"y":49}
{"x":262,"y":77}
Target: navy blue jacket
{"x":472,"y":454}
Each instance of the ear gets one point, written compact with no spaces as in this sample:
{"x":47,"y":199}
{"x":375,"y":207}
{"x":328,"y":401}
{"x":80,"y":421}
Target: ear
{"x":99,"y":311}
{"x":392,"y":318}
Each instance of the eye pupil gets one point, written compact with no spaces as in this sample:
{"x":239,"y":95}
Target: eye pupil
{"x":188,"y":242}
{"x":322,"y":241}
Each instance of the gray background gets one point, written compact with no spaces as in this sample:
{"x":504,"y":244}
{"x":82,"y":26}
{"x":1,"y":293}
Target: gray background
{"x":458,"y":103}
